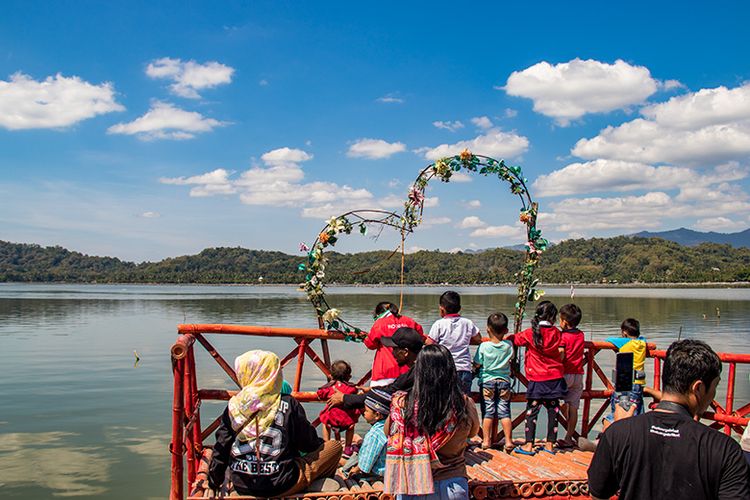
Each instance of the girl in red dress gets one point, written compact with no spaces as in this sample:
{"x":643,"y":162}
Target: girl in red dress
{"x":334,"y":418}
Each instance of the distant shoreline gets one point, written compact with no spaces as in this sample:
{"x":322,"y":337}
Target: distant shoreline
{"x":709,"y":284}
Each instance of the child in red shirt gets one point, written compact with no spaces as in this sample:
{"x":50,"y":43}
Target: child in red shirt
{"x":571,"y":347}
{"x":544,"y":370}
{"x":335,"y":418}
{"x":385,"y":369}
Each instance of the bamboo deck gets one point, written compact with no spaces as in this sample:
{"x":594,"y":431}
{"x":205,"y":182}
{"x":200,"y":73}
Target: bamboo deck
{"x":492,"y":474}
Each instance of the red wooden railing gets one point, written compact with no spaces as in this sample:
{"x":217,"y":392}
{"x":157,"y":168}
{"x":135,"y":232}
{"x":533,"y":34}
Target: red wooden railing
{"x":188,"y":436}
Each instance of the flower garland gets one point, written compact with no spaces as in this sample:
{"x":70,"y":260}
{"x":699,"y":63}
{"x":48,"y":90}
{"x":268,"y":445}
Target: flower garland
{"x":315,"y":266}
{"x":411,"y":217}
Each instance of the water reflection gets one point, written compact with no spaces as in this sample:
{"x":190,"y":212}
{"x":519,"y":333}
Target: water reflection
{"x":52,"y":461}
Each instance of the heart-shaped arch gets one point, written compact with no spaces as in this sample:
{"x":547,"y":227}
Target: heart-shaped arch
{"x":411,"y":217}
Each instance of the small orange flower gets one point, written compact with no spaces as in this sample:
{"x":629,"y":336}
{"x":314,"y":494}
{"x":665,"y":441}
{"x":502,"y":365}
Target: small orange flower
{"x":465,"y":155}
{"x":323,"y":237}
{"x":525,"y":217}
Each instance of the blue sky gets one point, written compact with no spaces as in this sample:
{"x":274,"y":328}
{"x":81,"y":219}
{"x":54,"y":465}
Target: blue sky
{"x":145,"y":131}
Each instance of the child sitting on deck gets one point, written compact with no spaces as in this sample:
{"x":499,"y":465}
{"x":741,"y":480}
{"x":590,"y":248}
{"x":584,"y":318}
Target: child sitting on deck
{"x":492,"y":359}
{"x":571,"y":347}
{"x":337,"y":419}
{"x":544,"y":370}
{"x":630,"y":340}
{"x":369,"y":461}
{"x":456,"y":333}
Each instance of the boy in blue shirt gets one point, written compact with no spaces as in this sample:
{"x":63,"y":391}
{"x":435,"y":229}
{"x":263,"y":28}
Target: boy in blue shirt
{"x":492,"y":359}
{"x":630,"y":340}
{"x":369,"y":461}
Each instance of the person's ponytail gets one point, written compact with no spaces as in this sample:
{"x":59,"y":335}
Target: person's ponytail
{"x":545,"y":311}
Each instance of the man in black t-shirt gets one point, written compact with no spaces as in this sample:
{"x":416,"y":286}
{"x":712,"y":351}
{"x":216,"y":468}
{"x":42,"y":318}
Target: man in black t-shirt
{"x":407,"y":343}
{"x":666,"y":453}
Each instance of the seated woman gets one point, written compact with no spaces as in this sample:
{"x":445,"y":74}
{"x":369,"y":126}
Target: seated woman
{"x":263,"y":432}
{"x":427,"y":431}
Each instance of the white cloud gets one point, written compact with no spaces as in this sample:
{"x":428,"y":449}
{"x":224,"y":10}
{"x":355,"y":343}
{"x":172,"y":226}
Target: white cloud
{"x":283,"y":156}
{"x":568,"y":91}
{"x":493,"y":143}
{"x":649,"y":142}
{"x":629,"y":212}
{"x":414,"y":249}
{"x":473,"y":204}
{"x":482,"y":122}
{"x":460,"y":177}
{"x":705,"y":127}
{"x":394,"y":183}
{"x":471,"y":221}
{"x":165,"y":121}
{"x":263,"y":83}
{"x":509,"y":232}
{"x":208,"y":184}
{"x":717,"y":224}
{"x":671,"y":85}
{"x":435,"y":221}
{"x":374,"y":149}
{"x":431,"y":202}
{"x":150,"y":215}
{"x":703,"y":108}
{"x":609,"y":175}
{"x":448,"y":125}
{"x":189,"y":77}
{"x":456,"y":250}
{"x":510,"y":113}
{"x":55,"y":102}
{"x":279,"y":183}
{"x":390,"y":99}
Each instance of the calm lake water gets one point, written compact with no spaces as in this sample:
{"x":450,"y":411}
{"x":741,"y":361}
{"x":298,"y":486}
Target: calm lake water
{"x":78,"y":419}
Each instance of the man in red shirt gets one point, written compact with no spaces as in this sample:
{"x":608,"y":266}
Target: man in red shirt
{"x":385,"y":369}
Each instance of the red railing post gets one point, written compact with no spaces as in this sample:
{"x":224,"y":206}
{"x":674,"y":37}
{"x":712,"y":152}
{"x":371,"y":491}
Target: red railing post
{"x":730,"y":395}
{"x":300,"y":365}
{"x":657,"y":374}
{"x":189,"y":389}
{"x":176,"y":446}
{"x":197,"y":441}
{"x":590,"y":352}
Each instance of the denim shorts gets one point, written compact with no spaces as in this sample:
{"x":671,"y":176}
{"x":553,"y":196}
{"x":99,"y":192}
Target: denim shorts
{"x":455,"y":488}
{"x":495,"y":400}
{"x":465,"y":379}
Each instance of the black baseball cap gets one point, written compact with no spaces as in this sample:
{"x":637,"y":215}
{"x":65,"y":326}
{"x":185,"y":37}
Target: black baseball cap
{"x":405,"y":337}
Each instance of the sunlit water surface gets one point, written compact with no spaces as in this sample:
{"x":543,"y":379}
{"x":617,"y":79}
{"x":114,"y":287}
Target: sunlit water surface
{"x":78,"y":419}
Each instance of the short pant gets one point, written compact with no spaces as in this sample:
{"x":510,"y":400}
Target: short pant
{"x":575,"y":389}
{"x":465,"y":379}
{"x":495,"y":400}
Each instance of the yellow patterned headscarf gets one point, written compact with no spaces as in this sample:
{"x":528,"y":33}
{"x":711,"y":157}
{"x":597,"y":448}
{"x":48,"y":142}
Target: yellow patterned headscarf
{"x":259,"y":374}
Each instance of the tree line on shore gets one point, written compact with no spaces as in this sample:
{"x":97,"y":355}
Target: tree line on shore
{"x":622,"y":259}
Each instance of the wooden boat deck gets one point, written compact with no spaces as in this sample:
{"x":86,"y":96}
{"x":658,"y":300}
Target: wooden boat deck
{"x":492,"y":474}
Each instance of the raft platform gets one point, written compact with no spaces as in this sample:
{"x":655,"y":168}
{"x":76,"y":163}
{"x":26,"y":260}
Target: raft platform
{"x":492,"y":473}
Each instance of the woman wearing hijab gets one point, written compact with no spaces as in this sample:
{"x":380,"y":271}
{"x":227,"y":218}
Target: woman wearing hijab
{"x":263,"y":432}
{"x":427,"y":432}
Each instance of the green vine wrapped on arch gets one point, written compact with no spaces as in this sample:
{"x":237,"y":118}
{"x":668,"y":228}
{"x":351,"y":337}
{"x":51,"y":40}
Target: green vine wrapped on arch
{"x":444,"y":168}
{"x":315,"y":265}
{"x":411,"y":217}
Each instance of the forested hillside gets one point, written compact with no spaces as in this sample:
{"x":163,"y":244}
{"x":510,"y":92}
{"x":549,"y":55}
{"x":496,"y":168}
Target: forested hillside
{"x":598,"y":260}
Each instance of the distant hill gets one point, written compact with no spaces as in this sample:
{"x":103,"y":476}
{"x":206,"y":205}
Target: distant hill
{"x":691,"y":238}
{"x":622,"y":259}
